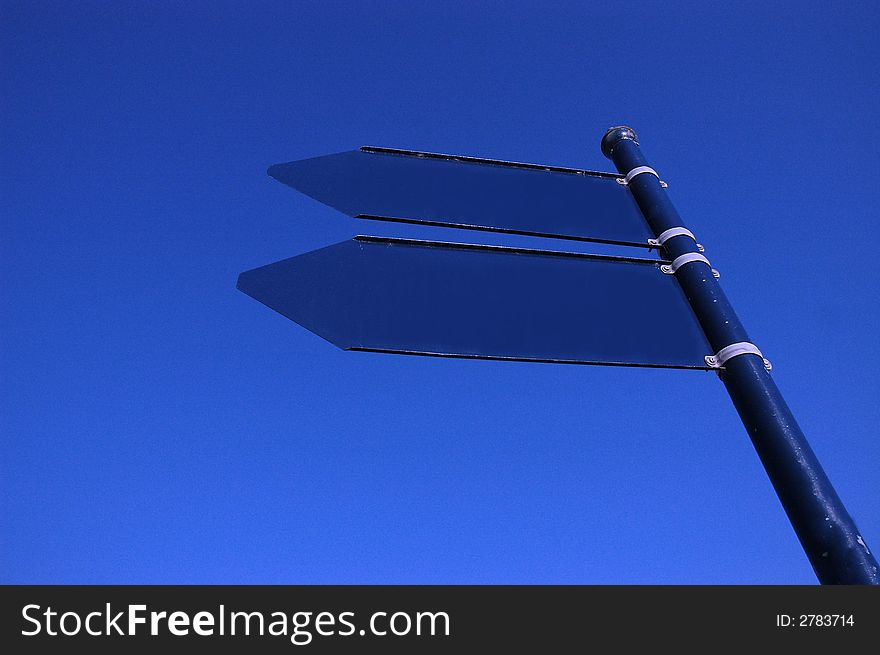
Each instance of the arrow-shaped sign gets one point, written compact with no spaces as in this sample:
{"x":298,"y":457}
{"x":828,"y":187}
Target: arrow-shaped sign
{"x":456,"y":300}
{"x":466,"y":192}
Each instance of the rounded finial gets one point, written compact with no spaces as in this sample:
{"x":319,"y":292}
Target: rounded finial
{"x":615,"y":135}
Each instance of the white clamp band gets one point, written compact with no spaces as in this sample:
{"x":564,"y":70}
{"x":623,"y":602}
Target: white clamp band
{"x":741,"y":348}
{"x":687,"y":258}
{"x":674,"y":232}
{"x":638,"y":170}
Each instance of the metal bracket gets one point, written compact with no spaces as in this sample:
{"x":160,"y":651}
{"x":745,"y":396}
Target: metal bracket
{"x":741,"y":348}
{"x":687,"y":258}
{"x":638,"y":170}
{"x":674,"y":232}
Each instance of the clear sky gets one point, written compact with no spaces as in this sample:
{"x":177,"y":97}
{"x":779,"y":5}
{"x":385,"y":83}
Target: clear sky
{"x":159,"y":426}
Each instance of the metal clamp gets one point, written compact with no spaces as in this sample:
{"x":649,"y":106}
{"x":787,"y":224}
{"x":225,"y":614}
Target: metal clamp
{"x":674,"y":232}
{"x":741,"y":348}
{"x":638,"y":170}
{"x":687,"y":258}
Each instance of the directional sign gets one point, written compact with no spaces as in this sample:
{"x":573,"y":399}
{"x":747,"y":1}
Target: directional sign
{"x":465,"y":192}
{"x":429,"y":298}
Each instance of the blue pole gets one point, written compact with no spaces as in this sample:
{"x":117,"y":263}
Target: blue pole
{"x":825,"y":529}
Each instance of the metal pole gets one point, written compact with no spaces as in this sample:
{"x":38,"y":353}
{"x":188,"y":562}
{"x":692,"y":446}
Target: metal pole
{"x":825,"y":529}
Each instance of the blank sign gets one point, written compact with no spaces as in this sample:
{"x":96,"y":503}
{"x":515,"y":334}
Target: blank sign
{"x":457,"y":300}
{"x":463,"y":192}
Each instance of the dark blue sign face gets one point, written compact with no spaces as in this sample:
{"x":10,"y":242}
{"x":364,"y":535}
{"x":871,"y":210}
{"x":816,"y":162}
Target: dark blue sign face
{"x":421,"y":297}
{"x":404,"y":186}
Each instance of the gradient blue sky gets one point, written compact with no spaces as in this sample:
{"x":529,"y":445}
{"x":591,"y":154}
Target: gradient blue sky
{"x":159,"y":426}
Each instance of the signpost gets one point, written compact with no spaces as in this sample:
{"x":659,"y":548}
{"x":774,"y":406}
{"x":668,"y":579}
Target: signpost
{"x":492,"y":302}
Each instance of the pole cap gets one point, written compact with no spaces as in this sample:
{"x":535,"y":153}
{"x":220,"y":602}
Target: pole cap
{"x":615,"y":135}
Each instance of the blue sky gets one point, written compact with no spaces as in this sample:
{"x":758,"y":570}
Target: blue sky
{"x":159,"y":426}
